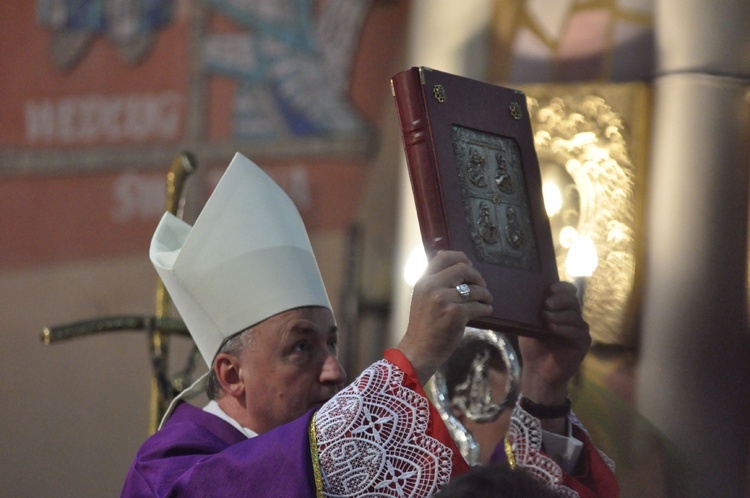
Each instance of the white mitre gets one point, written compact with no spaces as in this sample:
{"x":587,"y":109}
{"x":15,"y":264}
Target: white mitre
{"x":246,"y":258}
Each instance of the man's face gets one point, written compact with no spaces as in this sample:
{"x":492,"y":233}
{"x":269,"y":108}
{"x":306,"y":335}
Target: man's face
{"x":290,"y":366}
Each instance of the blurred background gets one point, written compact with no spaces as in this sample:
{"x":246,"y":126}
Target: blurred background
{"x":640,"y":111}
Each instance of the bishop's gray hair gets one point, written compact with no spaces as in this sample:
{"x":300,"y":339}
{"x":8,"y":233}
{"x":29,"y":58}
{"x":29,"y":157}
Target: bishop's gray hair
{"x":233,"y":345}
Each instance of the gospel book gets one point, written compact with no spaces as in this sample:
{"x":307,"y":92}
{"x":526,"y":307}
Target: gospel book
{"x":477,"y":187}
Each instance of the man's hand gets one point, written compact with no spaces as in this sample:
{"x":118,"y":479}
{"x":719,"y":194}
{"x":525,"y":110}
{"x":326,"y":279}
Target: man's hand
{"x":550,"y":362}
{"x":438,"y":314}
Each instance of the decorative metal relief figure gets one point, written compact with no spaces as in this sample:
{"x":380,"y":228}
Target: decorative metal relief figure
{"x":513,"y":230}
{"x":475,"y":168}
{"x":464,"y":382}
{"x":486,"y":228}
{"x":503,"y":180}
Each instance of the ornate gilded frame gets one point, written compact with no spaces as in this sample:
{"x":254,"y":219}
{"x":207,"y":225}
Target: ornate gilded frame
{"x":595,"y":136}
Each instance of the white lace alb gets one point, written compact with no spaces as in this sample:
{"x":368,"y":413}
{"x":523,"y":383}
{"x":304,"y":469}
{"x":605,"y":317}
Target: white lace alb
{"x":525,"y":436}
{"x":371,"y":440}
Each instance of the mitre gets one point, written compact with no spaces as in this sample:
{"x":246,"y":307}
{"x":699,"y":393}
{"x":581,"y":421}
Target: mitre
{"x":246,"y":258}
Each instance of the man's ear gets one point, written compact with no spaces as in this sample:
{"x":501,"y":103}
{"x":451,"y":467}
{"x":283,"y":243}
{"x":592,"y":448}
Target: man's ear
{"x":227,"y":368}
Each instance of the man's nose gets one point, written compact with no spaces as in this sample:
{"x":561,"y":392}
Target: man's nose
{"x":333,"y":372}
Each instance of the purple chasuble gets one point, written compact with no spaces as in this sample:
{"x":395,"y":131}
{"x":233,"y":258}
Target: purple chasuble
{"x":499,"y":457}
{"x":198,"y":454}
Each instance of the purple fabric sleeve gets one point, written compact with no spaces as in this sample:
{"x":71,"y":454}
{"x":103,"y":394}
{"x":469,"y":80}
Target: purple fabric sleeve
{"x":198,"y":454}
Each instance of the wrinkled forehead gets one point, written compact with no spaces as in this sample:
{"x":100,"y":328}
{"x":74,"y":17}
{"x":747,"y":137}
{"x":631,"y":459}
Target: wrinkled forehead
{"x":316,"y":318}
{"x":304,"y":319}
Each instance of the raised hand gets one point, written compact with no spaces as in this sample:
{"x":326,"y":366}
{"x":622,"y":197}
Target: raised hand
{"x":550,"y":362}
{"x":439,"y":313}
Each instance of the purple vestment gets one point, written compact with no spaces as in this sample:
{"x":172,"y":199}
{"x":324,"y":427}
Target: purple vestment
{"x":379,"y":436}
{"x":198,"y":454}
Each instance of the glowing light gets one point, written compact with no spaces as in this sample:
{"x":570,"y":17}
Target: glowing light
{"x":568,"y":234}
{"x":552,"y":198}
{"x":415,"y":266}
{"x":582,"y":259}
{"x":584,"y":138}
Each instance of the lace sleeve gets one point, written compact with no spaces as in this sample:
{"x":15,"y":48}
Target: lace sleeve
{"x":525,"y":435}
{"x":371,"y":439}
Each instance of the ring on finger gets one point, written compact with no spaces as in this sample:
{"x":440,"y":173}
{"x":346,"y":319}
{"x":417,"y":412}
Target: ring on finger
{"x":464,"y":291}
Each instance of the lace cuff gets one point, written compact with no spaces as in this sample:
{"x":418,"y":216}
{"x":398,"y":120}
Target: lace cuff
{"x":525,"y":435}
{"x":371,"y":438}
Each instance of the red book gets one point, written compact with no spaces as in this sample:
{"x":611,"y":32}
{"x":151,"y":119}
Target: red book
{"x":477,"y":187}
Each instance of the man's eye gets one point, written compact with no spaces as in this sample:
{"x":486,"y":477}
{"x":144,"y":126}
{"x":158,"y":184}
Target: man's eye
{"x":302,"y":347}
{"x":333,"y":345}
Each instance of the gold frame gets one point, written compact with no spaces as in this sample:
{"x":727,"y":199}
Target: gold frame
{"x":599,"y":134}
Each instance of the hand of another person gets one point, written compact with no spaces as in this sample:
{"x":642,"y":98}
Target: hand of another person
{"x":438,"y":314}
{"x":550,"y":362}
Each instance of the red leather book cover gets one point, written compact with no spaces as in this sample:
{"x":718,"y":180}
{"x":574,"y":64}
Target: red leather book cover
{"x":477,"y":187}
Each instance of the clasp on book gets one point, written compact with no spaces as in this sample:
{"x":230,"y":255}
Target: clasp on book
{"x":439,"y":93}
{"x":515,"y":110}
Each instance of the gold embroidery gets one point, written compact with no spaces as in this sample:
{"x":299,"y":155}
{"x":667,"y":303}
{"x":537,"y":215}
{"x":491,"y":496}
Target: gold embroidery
{"x":315,"y":460}
{"x":509,"y":453}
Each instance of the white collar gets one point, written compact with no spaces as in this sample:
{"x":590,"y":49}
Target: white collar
{"x":214,"y":408}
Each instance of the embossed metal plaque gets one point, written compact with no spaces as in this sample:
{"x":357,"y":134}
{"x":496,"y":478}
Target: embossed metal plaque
{"x":495,"y":200}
